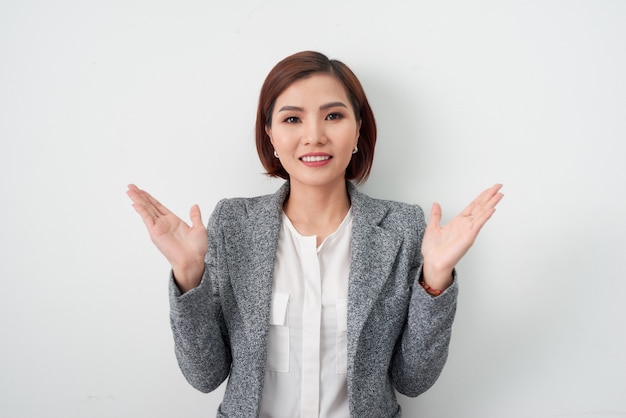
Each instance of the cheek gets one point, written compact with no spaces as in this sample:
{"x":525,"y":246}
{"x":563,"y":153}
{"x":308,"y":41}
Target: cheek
{"x":351,"y":136}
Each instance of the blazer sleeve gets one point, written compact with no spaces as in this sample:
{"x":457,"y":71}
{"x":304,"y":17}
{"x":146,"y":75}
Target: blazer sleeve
{"x":422,"y":349}
{"x":200,"y":335}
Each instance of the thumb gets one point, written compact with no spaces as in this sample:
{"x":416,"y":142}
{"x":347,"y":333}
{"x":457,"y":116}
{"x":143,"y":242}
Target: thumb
{"x":196,"y":216}
{"x":435,"y":215}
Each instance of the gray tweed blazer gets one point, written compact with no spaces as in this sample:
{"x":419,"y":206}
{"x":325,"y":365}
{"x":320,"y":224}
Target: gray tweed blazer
{"x":398,"y":335}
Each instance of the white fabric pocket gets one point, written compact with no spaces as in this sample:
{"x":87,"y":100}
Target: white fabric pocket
{"x":342,"y":336}
{"x":278,"y":343}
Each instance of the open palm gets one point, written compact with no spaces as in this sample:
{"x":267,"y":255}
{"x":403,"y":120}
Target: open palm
{"x":443,"y":246}
{"x":184,"y":246}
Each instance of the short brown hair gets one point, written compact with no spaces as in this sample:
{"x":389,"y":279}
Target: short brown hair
{"x":302,"y":65}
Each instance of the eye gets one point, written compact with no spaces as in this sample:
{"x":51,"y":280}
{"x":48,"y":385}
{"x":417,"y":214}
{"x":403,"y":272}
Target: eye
{"x":291,"y":119}
{"x":334,"y":116}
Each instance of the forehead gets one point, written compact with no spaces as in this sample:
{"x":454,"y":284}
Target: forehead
{"x":316,"y":88}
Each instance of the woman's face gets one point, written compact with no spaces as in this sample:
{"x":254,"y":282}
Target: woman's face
{"x":314,"y":131}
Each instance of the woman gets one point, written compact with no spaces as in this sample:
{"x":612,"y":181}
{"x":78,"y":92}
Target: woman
{"x":317,"y":300}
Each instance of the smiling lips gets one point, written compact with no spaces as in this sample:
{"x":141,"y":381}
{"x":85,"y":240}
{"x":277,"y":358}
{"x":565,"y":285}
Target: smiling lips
{"x":315,"y":160}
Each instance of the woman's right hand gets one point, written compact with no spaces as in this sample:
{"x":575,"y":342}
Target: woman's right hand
{"x":182,"y":245}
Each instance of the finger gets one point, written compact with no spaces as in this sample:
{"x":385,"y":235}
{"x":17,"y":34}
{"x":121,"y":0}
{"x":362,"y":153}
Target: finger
{"x":147,"y":206}
{"x":148,"y":219}
{"x":483,"y":199}
{"x":160,"y":209}
{"x":487,"y":206}
{"x":149,"y":203}
{"x":495,"y":199}
{"x":435,"y":215}
{"x":137,"y":195}
{"x":488,"y":194}
{"x":481,"y":217}
{"x":481,"y":214}
{"x":196,"y":216}
{"x":143,"y":205}
{"x":140,"y":203}
{"x":133,"y":193}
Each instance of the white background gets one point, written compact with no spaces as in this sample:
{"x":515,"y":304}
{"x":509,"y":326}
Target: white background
{"x":97,"y":94}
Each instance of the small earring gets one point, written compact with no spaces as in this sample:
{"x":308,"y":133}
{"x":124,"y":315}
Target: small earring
{"x":356,"y":149}
{"x":275,"y":154}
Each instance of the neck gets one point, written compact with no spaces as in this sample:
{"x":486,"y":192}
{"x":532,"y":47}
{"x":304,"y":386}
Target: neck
{"x":317,"y":210}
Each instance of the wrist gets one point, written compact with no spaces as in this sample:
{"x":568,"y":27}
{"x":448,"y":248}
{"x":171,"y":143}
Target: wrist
{"x":188,"y":276}
{"x":435,"y":279}
{"x":430,"y":290}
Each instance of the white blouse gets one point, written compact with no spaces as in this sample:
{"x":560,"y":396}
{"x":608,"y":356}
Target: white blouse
{"x":307,"y":350}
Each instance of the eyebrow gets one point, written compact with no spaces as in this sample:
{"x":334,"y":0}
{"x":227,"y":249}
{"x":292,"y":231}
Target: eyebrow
{"x":322,"y":107}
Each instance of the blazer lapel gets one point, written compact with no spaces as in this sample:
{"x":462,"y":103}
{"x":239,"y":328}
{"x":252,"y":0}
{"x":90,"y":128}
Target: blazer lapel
{"x":253,"y":286}
{"x":374,"y":250}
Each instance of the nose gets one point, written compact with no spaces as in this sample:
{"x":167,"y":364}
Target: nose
{"x":314,"y":133}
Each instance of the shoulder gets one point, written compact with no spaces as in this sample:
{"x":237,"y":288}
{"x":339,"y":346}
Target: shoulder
{"x":394,"y":208}
{"x":258,"y":208}
{"x":243,"y":205}
{"x":389,"y":214}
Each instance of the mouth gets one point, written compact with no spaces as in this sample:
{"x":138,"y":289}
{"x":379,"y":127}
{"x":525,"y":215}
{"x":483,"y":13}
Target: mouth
{"x":315,"y":158}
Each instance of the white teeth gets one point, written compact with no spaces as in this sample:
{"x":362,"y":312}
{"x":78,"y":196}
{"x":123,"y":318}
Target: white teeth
{"x":311,"y":159}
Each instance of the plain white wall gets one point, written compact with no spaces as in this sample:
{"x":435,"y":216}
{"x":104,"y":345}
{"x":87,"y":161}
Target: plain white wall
{"x":97,"y":94}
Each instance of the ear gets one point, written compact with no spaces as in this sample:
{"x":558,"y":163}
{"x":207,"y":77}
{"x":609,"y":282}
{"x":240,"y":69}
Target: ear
{"x":268,"y":131}
{"x":358,"y":130}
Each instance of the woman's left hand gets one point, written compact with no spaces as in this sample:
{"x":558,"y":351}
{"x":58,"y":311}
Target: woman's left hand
{"x":444,"y":246}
